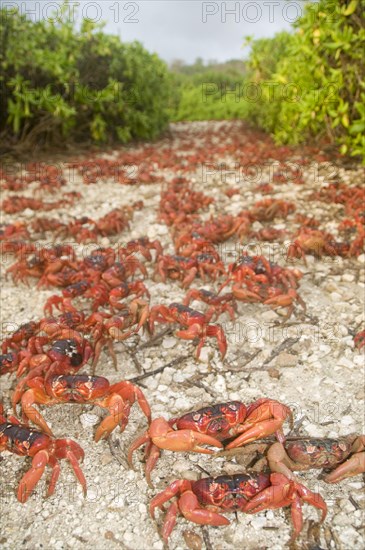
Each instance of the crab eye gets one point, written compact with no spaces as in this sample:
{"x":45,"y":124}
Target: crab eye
{"x":232,"y":406}
{"x":197,"y":417}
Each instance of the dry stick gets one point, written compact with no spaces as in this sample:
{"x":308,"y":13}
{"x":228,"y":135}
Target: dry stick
{"x":132,"y":355}
{"x":248,"y":360}
{"x":199,"y":384}
{"x":288,"y":343}
{"x":354,"y":503}
{"x":155,"y":339}
{"x":208,"y":544}
{"x":114,"y":444}
{"x":160,"y":369}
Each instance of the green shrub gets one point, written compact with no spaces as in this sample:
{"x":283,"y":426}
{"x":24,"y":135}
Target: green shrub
{"x":208,"y":93}
{"x":312,"y":81}
{"x":60,"y":83}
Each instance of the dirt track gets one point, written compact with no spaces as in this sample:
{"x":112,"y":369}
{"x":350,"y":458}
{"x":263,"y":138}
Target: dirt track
{"x":310,"y":363}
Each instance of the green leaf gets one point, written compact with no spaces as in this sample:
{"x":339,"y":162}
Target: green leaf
{"x":351,"y":8}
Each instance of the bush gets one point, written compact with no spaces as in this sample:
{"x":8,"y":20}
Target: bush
{"x":77,"y":84}
{"x":312,"y":81}
{"x":208,"y":93}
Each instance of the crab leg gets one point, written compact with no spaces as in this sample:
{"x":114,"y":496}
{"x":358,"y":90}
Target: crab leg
{"x":130,"y":392}
{"x":169,"y":521}
{"x":152,"y":457}
{"x":118,"y":414}
{"x":176,"y":487}
{"x":36,"y":395}
{"x":66,"y":448}
{"x":33,"y":475}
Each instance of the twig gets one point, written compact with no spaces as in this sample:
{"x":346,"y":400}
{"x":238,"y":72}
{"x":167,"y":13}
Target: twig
{"x":196,"y":381}
{"x":155,"y":339}
{"x":354,"y":503}
{"x":160,"y":369}
{"x":287,"y":343}
{"x":248,"y":360}
{"x":113,"y":445}
{"x":208,"y":544}
{"x":296,"y":426}
{"x":132,"y":355}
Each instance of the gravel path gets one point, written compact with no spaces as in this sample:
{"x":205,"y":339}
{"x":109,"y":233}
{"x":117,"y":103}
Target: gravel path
{"x":310,"y":364}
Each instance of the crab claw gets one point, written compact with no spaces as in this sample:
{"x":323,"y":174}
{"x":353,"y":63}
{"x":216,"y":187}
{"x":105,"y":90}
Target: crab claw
{"x":164,"y":437}
{"x":161,"y":436}
{"x":352,"y":467}
{"x":187,"y":505}
{"x":285,"y":492}
{"x":264,"y":418}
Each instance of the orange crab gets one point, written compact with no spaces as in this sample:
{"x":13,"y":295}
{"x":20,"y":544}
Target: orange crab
{"x":344,"y":457}
{"x":195,"y":323}
{"x":81,"y":388}
{"x":202,"y":501}
{"x":43,"y":449}
{"x":211,"y":426}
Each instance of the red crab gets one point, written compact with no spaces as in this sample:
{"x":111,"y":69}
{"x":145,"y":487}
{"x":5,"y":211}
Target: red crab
{"x":190,"y":242}
{"x":8,"y":363}
{"x":67,"y":354}
{"x":56,"y":327}
{"x":312,"y":241}
{"x":105,"y":328}
{"x":142,"y":245}
{"x":209,"y":264}
{"x":359,"y":339}
{"x":115,"y":221}
{"x":268,"y":209}
{"x":201,"y":501}
{"x":259,"y":269}
{"x":102,"y":295}
{"x":345,"y":457}
{"x":81,"y":388}
{"x":177,"y":268}
{"x":43,"y":450}
{"x":14,"y":231}
{"x":195,"y":323}
{"x":269,"y":234}
{"x":64,"y":303}
{"x":225,"y":302}
{"x":119,"y":272}
{"x":20,"y":337}
{"x":210,"y":426}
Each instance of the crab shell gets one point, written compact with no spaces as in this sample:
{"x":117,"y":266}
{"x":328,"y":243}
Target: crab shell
{"x":230,"y":492}
{"x":319,"y":453}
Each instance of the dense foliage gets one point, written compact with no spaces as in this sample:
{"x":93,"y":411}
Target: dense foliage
{"x":208,"y":92}
{"x":59,"y":82}
{"x":311,"y":83}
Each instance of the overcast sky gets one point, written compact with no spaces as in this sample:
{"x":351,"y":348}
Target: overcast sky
{"x":182,"y":29}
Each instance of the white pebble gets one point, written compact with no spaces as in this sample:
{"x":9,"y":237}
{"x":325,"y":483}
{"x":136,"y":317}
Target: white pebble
{"x":258,"y":522}
{"x":361,"y":259}
{"x":347,"y":420}
{"x":344,"y":362}
{"x":205,"y":354}
{"x":220,"y":384}
{"x":169,"y":342}
{"x":88,"y":419}
{"x":182,"y":404}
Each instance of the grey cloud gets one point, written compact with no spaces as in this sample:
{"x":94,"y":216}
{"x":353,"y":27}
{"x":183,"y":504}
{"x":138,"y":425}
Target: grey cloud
{"x":175,"y":28}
